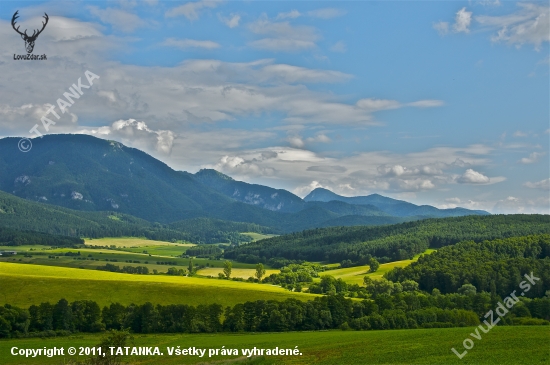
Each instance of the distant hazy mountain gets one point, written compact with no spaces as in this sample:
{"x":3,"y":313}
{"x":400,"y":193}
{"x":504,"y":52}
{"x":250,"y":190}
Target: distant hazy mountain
{"x":85,"y":173}
{"x":394,"y":207}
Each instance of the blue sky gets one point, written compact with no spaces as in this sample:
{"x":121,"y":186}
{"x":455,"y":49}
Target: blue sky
{"x":441,"y":103}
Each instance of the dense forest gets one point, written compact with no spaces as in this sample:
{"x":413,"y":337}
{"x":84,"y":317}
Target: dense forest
{"x":12,"y":237}
{"x":404,"y":310}
{"x":496,"y":266}
{"x":209,"y":230}
{"x":387,"y":243}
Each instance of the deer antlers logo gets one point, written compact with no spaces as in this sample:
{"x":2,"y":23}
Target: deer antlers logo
{"x":29,"y":40}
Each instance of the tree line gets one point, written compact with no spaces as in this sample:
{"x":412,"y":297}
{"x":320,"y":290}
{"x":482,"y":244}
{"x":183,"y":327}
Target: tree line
{"x":12,"y":237}
{"x":397,"y":311}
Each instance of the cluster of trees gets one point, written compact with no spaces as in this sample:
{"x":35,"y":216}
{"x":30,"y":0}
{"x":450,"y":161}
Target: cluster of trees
{"x":13,"y":237}
{"x":204,"y":250}
{"x":176,"y":272}
{"x":400,"y":310}
{"x":293,"y":275}
{"x":387,"y":243}
{"x":496,"y":266}
{"x":126,"y":269}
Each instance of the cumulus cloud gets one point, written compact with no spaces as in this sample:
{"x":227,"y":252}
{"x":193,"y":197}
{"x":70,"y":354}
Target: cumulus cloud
{"x":189,"y":43}
{"x":473,"y":177}
{"x":463,"y":20}
{"x":191,"y":10}
{"x":302,"y":191}
{"x":533,"y":157}
{"x":136,"y":133}
{"x":542,"y":185}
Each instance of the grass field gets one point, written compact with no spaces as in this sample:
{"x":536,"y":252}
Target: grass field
{"x":131,"y":242}
{"x":258,"y":236}
{"x":91,"y":257}
{"x":140,"y":245}
{"x":235,"y":273}
{"x":501,"y":346}
{"x":354,"y":275}
{"x":23,"y":285}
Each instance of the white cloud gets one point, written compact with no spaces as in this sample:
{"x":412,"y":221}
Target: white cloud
{"x":462,"y":21}
{"x":378,"y":104}
{"x":542,"y":185}
{"x":520,"y":134}
{"x":136,"y":133}
{"x":426,"y":103}
{"x":119,"y":19}
{"x":473,"y":177}
{"x":282,"y":36}
{"x":533,"y":157}
{"x":383,"y":104}
{"x":232,"y":21}
{"x":531,"y":24}
{"x":293,"y":14}
{"x":326,"y":13}
{"x":511,"y":205}
{"x":286,"y":45}
{"x":302,"y":191}
{"x":294,"y":74}
{"x":489,"y":2}
{"x":339,"y":46}
{"x":296,"y":141}
{"x":191,"y":9}
{"x":189,"y":43}
{"x":441,"y":27}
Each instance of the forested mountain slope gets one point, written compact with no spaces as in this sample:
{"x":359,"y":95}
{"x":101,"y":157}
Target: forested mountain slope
{"x":389,"y":243}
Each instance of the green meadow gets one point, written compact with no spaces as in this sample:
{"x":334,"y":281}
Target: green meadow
{"x":354,"y":275}
{"x":501,"y":346}
{"x":258,"y":236}
{"x":24,"y":284}
{"x":131,"y":242}
{"x":141,"y":245}
{"x":235,"y":273}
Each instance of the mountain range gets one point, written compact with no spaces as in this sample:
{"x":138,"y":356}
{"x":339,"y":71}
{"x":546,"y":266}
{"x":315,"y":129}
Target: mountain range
{"x":84,"y":173}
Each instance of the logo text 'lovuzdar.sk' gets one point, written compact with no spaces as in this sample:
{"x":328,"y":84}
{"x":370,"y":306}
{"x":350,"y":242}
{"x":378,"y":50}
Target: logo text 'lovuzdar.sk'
{"x":29,"y":39}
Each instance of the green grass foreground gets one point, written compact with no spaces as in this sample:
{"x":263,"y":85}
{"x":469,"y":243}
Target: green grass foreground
{"x":501,"y":346}
{"x":24,"y":284}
